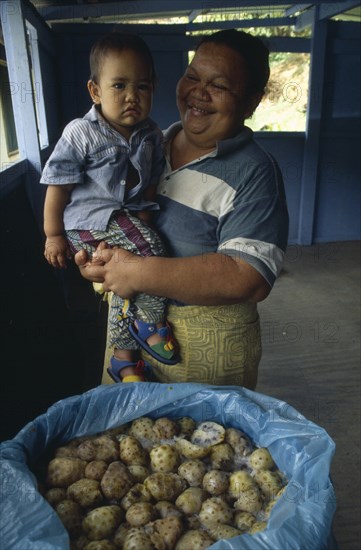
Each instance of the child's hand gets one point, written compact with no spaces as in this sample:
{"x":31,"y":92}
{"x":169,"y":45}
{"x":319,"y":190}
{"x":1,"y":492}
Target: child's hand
{"x":57,"y":251}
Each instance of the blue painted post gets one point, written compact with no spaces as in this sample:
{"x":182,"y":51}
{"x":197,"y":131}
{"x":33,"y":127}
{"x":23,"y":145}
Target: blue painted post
{"x":313,"y":132}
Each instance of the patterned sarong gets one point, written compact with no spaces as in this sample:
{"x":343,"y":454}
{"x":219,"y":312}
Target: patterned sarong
{"x":130,"y":233}
{"x":219,"y":345}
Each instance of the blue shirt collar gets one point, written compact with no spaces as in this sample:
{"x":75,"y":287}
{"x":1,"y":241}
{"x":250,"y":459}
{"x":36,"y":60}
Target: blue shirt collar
{"x":94,"y":115}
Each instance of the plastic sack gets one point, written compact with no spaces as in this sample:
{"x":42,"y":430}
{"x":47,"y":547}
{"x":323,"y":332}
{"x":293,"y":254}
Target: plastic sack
{"x":302,"y":517}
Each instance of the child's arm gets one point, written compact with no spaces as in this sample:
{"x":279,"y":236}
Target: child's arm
{"x":149,"y":195}
{"x":56,"y":246}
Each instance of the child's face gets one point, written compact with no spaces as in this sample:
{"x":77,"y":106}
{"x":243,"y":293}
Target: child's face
{"x":124,"y":90}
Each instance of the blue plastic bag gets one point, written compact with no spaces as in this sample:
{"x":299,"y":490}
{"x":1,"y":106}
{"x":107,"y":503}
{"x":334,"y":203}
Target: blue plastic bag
{"x":301,"y":519}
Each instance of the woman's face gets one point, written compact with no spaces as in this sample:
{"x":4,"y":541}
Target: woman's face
{"x":211,"y":95}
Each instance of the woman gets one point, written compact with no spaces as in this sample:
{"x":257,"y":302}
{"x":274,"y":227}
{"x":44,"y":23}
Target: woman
{"x":223,"y":215}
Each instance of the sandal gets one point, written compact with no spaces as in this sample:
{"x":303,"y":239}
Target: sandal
{"x":164,"y":352}
{"x":116,"y":366}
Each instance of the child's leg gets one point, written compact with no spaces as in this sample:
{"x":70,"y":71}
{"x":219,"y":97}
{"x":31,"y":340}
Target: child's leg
{"x":149,"y":325}
{"x":128,"y":357}
{"x":125,"y":360}
{"x":151,"y":329}
{"x":82,"y":240}
{"x":126,"y":366}
{"x":125,"y":363}
{"x":145,"y":321}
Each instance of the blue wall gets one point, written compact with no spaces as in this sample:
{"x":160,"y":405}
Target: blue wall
{"x":288,"y":150}
{"x":337,"y":216}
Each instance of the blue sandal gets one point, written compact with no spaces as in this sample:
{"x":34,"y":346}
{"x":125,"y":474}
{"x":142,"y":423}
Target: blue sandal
{"x":142,"y":371}
{"x":164,"y":352}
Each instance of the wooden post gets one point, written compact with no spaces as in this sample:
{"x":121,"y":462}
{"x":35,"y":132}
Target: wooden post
{"x":313,"y":132}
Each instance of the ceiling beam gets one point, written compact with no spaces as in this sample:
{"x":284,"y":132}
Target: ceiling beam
{"x":296,"y":8}
{"x":243,"y":23}
{"x":144,"y":7}
{"x":306,"y":19}
{"x":194,"y":14}
{"x":325,"y":11}
{"x":173,"y":29}
{"x":141,"y":8}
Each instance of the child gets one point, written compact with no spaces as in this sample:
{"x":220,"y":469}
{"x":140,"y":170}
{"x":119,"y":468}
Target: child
{"x":101,"y":181}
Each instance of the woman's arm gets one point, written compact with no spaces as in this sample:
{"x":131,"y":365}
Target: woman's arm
{"x":56,"y":246}
{"x":211,"y":279}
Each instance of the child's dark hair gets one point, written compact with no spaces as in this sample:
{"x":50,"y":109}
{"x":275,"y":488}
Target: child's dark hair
{"x":117,"y":41}
{"x":254,"y":52}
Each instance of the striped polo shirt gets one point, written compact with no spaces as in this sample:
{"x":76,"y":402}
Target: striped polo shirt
{"x":230,"y":201}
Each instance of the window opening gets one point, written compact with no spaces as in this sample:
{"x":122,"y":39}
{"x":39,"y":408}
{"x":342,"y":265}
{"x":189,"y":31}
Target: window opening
{"x":284,"y":105}
{"x":37,"y":84}
{"x":9,"y":151}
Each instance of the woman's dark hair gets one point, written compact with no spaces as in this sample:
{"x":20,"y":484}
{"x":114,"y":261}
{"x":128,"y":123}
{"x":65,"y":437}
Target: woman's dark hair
{"x":254,"y":52}
{"x":117,"y":41}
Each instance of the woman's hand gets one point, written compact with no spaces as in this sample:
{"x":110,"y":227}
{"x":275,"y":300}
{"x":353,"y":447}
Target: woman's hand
{"x":120,"y":266}
{"x":110,"y":266}
{"x":91,"y":269}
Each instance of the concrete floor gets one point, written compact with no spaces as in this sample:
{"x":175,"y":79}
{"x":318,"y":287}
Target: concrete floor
{"x":311,"y":359}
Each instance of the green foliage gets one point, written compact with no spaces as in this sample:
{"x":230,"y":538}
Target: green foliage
{"x":284,"y":105}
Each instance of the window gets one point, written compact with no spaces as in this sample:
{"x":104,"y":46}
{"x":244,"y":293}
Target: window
{"x":37,"y":84}
{"x":21,"y":86}
{"x":284,"y":106}
{"x":8,"y":140}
